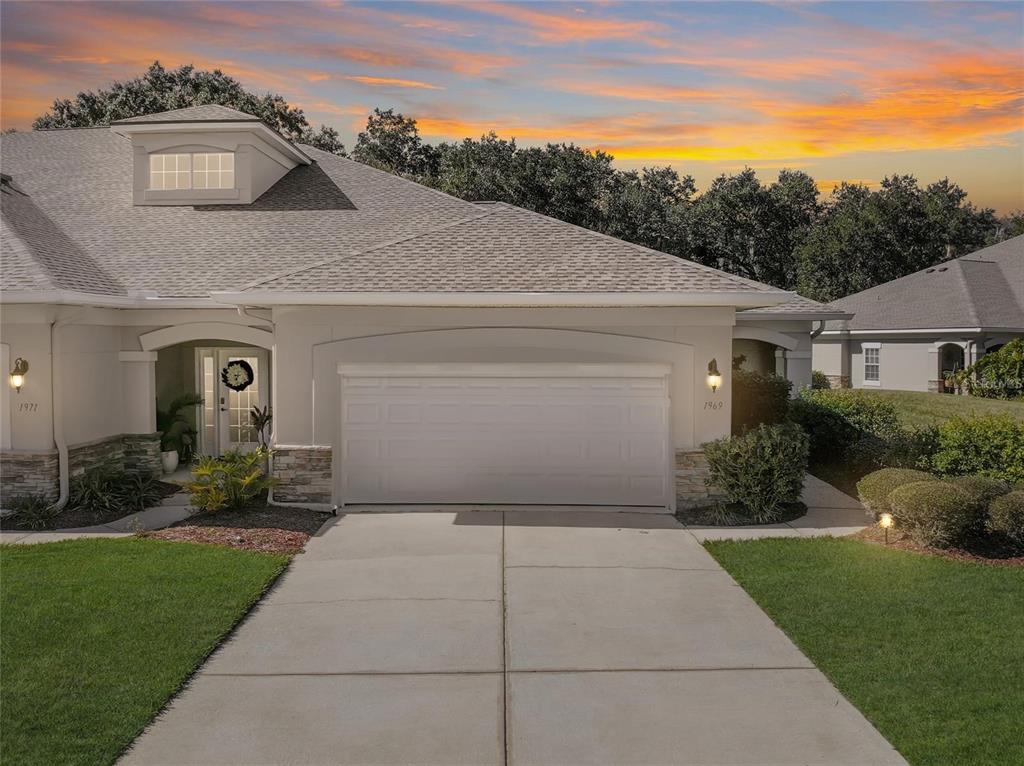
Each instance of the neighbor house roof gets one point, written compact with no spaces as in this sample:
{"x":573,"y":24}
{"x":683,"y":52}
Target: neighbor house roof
{"x":335,"y":226}
{"x":984,"y":289}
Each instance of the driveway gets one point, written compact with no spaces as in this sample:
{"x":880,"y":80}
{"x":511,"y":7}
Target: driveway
{"x":520,"y":637}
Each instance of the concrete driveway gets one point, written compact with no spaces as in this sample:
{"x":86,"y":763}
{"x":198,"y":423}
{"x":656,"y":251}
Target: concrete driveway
{"x":526,"y":637}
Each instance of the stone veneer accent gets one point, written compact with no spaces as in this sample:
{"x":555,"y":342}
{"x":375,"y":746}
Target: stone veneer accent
{"x":28,"y":472}
{"x":691,"y":480}
{"x":838,"y":381}
{"x":304,"y":473}
{"x":34,"y":472}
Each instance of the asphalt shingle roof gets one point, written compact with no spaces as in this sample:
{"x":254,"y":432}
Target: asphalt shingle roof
{"x":502,"y":248}
{"x":333,"y":226}
{"x":982,"y":289}
{"x":204,"y":113}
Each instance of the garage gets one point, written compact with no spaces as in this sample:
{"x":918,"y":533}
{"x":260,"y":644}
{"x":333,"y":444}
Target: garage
{"x":552,"y":434}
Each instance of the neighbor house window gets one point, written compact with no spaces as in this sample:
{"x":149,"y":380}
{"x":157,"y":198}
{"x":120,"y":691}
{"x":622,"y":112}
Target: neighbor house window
{"x":871,"y":364}
{"x":213,"y":171}
{"x":209,"y":170}
{"x":170,"y":171}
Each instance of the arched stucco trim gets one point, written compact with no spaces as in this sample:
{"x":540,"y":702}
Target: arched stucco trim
{"x":183,"y":333}
{"x":776,"y":338}
{"x":486,"y":344}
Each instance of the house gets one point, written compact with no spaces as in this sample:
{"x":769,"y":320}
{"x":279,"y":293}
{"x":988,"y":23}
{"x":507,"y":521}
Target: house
{"x":414,"y":347}
{"x":909,"y":333}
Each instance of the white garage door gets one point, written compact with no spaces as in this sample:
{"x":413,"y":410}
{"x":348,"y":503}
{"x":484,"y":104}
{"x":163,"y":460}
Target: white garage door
{"x":495,"y":433}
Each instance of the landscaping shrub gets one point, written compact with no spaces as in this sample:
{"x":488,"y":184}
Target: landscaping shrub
{"x":761,"y":471}
{"x":875,"y":488}
{"x":34,"y":511}
{"x":104,"y":492}
{"x":913,"y":448}
{"x":982,"y":489}
{"x":992,"y":445}
{"x":846,"y":424}
{"x":758,"y":398}
{"x":819,"y":380}
{"x":999,"y":375}
{"x":1006,"y":516}
{"x":934,"y":513}
{"x":233,"y":481}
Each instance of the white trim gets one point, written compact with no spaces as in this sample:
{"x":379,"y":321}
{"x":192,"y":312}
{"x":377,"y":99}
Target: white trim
{"x":776,"y":338}
{"x":182,"y":333}
{"x":754,"y":315}
{"x":504,"y":370}
{"x":872,"y":382}
{"x":924,"y":331}
{"x":276,"y":139}
{"x":870,"y":345}
{"x":737,"y":298}
{"x":75,"y":298}
{"x":5,"y":397}
{"x":136,"y":356}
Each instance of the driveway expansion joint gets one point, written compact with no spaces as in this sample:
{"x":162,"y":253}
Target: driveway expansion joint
{"x":617,"y":566}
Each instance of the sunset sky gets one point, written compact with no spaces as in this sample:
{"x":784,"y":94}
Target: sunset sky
{"x":844,"y":91}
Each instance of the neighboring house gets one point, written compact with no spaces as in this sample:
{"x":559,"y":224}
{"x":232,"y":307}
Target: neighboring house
{"x":909,"y":333}
{"x":414,"y":347}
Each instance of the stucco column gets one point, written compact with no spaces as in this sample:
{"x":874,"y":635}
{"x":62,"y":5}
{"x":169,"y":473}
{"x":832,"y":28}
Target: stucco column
{"x":138,"y":388}
{"x":780,"y":362}
{"x":797,"y":366}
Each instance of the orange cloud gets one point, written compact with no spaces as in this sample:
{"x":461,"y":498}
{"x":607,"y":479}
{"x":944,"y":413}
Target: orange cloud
{"x":576,"y":27}
{"x":397,"y":82}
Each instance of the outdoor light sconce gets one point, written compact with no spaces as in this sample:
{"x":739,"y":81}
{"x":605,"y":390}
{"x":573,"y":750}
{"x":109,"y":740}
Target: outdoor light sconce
{"x":18,"y":374}
{"x":714,"y":376}
{"x":885,"y":521}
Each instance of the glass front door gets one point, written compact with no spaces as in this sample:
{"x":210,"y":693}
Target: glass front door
{"x":232,"y":381}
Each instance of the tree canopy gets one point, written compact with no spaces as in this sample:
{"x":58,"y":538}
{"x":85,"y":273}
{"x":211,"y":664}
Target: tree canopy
{"x":160,"y":90}
{"x":781,"y":233}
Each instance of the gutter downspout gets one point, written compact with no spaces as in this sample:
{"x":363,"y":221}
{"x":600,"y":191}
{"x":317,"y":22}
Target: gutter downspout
{"x":56,"y":395}
{"x":818,"y":330}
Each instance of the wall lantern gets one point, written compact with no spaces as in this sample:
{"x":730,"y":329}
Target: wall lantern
{"x":18,"y":374}
{"x":885,"y":522}
{"x":714,"y":376}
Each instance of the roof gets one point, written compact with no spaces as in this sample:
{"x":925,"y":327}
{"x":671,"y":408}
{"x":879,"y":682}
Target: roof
{"x":498,"y":247}
{"x":984,"y":289}
{"x":330,"y":227}
{"x":797,"y":307}
{"x":204,"y":113}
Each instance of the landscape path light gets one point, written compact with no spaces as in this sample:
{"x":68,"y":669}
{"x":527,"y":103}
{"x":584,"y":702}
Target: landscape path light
{"x":885,"y":521}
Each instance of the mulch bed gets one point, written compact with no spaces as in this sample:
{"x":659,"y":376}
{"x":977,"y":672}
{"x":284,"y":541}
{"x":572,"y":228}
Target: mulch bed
{"x":984,"y":549}
{"x":72,"y":518}
{"x":264,"y":528}
{"x":729,"y":515}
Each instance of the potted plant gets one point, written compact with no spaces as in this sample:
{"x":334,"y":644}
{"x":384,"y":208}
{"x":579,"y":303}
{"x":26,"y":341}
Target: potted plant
{"x":177,"y":436}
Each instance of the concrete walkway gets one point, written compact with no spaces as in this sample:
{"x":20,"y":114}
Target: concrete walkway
{"x":528,"y":637}
{"x":171,"y":509}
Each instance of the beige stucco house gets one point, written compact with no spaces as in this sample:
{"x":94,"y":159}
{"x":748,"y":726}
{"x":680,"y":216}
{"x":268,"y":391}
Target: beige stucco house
{"x":414,"y":347}
{"x":909,"y":333}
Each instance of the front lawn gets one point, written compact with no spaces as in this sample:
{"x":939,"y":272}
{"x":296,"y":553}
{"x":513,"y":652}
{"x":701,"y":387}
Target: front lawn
{"x":918,"y":409}
{"x":96,"y":635}
{"x":929,"y":649}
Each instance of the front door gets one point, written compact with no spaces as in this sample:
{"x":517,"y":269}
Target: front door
{"x":227,"y":403}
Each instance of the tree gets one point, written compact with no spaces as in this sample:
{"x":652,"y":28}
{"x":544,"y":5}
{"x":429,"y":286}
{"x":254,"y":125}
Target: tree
{"x":478,"y":170}
{"x":563,"y":181}
{"x":958,"y":226}
{"x":160,"y":90}
{"x":392,"y":142}
{"x":651,"y":208}
{"x":1010,"y":225}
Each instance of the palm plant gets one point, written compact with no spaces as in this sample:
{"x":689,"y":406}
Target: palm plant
{"x":176,"y":432}
{"x":260,"y":418}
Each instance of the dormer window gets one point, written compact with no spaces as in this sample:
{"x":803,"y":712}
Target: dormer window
{"x":209,"y":170}
{"x":213,"y":171}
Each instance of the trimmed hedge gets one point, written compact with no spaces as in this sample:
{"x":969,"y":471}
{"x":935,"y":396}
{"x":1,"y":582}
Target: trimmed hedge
{"x":846,"y":424}
{"x":1006,"y":516}
{"x":982,"y":489}
{"x":875,"y":488}
{"x":762,"y":471}
{"x":758,"y":398}
{"x":933,"y":513}
{"x":992,"y":445}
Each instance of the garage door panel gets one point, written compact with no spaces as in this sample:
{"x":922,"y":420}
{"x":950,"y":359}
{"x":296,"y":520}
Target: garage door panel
{"x":494,"y":440}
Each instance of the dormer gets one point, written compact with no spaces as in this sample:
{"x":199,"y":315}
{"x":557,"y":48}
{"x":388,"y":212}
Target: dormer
{"x":205,"y":155}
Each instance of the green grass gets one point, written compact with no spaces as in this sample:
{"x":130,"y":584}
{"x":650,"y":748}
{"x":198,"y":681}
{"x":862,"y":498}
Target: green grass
{"x":920,"y":408}
{"x":930,"y":649}
{"x":96,"y":635}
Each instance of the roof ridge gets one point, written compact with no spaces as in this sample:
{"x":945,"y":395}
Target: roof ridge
{"x":362,"y":251}
{"x":647,"y":250}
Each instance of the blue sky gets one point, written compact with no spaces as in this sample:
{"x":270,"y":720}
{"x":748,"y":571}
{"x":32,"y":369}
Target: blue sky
{"x":845,"y":91}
